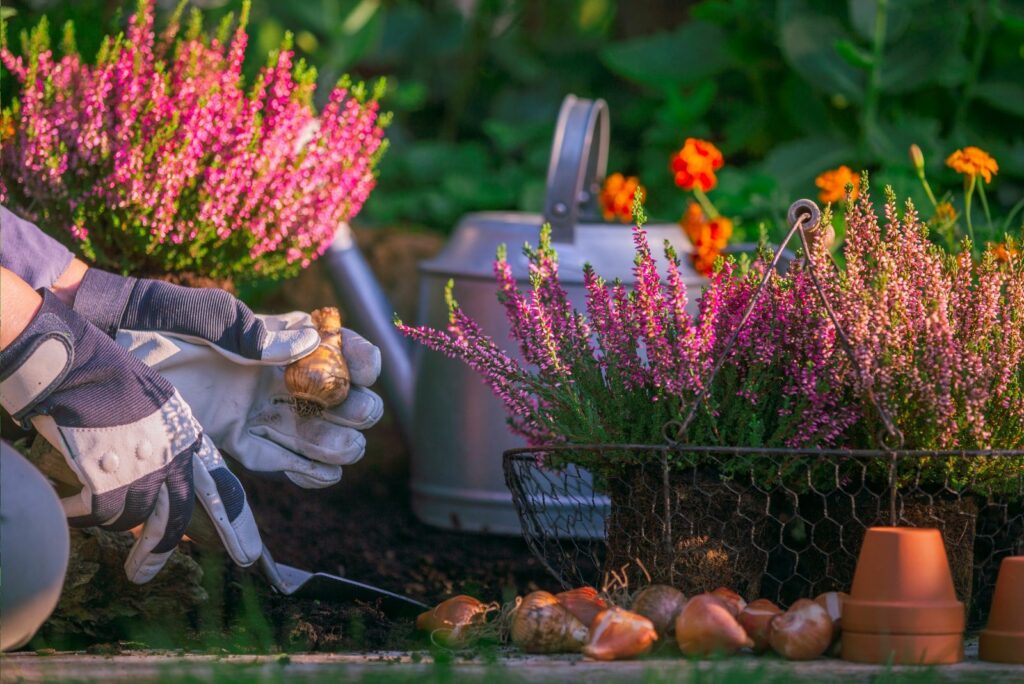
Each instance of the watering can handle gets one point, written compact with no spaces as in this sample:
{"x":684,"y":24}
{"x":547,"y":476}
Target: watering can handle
{"x":579,"y":161}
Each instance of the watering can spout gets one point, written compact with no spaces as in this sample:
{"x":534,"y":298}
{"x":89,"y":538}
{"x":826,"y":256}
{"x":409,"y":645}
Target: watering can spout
{"x":370,"y":313}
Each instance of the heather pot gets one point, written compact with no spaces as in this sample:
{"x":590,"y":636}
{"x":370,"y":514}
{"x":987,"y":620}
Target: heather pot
{"x":714,"y":531}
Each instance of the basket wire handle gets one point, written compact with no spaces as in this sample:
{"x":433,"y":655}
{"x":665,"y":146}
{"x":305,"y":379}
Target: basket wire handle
{"x":804,"y":218}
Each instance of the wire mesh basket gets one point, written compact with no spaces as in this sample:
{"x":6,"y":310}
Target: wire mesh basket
{"x":777,"y":523}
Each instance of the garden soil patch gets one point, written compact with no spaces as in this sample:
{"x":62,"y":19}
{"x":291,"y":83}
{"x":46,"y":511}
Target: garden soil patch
{"x":364,"y":529}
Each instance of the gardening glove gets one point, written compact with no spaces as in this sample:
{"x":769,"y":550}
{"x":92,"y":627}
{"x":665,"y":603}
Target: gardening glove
{"x":127,"y":434}
{"x":247,"y":410}
{"x":197,"y":314}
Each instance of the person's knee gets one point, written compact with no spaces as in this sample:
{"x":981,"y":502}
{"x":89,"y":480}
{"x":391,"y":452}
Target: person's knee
{"x":33,"y":549}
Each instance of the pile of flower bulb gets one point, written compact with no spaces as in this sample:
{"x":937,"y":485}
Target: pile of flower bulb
{"x":585,"y":621}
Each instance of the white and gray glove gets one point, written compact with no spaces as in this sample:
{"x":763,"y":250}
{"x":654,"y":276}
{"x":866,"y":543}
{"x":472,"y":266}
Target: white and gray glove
{"x":228,"y":363}
{"x":246,"y":409}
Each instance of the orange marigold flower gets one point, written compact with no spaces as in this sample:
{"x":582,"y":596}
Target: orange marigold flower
{"x":617,"y":197}
{"x":693,"y":221}
{"x":833,"y":184}
{"x":704,"y":262}
{"x":973,"y":161}
{"x":1002,"y":253}
{"x":944,"y":213}
{"x":695,"y":164}
{"x":709,"y":236}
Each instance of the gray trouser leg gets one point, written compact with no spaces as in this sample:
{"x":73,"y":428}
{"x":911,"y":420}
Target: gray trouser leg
{"x":33,"y":549}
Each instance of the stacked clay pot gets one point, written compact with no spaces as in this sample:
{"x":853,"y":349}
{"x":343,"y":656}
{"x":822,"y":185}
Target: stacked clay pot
{"x":902,"y":607}
{"x":1002,"y":640}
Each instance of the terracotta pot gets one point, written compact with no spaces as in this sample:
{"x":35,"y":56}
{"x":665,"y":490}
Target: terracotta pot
{"x":1002,"y":640}
{"x":902,"y":606}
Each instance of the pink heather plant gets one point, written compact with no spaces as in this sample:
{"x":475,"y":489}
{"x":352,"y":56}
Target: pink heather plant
{"x":158,"y":159}
{"x":941,"y":339}
{"x":636,"y":358}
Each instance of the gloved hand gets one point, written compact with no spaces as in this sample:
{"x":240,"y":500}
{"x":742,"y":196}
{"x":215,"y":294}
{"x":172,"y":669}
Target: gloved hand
{"x":129,"y":436}
{"x":247,"y":411}
{"x":229,"y":363}
{"x":310,"y":452}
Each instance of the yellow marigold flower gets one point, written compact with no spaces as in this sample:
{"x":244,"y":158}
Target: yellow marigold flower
{"x":945,"y":213}
{"x":617,"y":195}
{"x":833,"y":184}
{"x":6,"y":127}
{"x":973,"y":161}
{"x":695,"y":164}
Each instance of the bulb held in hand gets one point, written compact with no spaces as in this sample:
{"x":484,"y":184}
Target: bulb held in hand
{"x":320,"y":380}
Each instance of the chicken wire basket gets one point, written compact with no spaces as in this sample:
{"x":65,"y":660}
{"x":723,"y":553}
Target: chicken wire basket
{"x":777,"y":523}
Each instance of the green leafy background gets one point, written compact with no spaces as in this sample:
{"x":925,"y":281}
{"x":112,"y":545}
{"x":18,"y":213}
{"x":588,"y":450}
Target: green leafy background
{"x":786,"y":89}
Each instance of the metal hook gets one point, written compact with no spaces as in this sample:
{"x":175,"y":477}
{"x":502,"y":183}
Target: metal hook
{"x":808,"y":210}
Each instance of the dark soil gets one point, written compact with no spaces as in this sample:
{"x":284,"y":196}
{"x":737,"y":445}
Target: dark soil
{"x":364,"y":529}
{"x":712,"y":535}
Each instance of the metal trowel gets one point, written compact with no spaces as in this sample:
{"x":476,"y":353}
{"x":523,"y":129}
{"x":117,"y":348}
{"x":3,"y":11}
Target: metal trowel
{"x":323,"y":586}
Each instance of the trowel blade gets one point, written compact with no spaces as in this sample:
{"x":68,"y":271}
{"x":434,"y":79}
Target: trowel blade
{"x":326,"y":587}
{"x":323,"y":586}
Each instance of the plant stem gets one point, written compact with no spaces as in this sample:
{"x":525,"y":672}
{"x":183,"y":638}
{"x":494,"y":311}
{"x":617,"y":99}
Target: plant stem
{"x":984,"y":204}
{"x":928,"y":189}
{"x":969,"y":184}
{"x":1013,"y":213}
{"x":878,"y":45}
{"x":705,"y":203}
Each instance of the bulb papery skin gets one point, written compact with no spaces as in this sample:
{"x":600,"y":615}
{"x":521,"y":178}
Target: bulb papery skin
{"x":617,"y":634}
{"x":832,"y":602}
{"x":660,"y":604}
{"x":582,"y":602}
{"x":756,"y":620}
{"x":803,"y":632}
{"x":734,"y":601}
{"x":706,"y":626}
{"x":322,"y":377}
{"x":541,"y":624}
{"x":446,"y":622}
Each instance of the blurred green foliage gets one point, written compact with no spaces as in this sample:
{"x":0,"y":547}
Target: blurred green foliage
{"x":786,"y":89}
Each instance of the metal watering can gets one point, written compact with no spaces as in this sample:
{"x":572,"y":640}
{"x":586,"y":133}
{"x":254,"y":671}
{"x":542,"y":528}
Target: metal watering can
{"x":457,"y":429}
